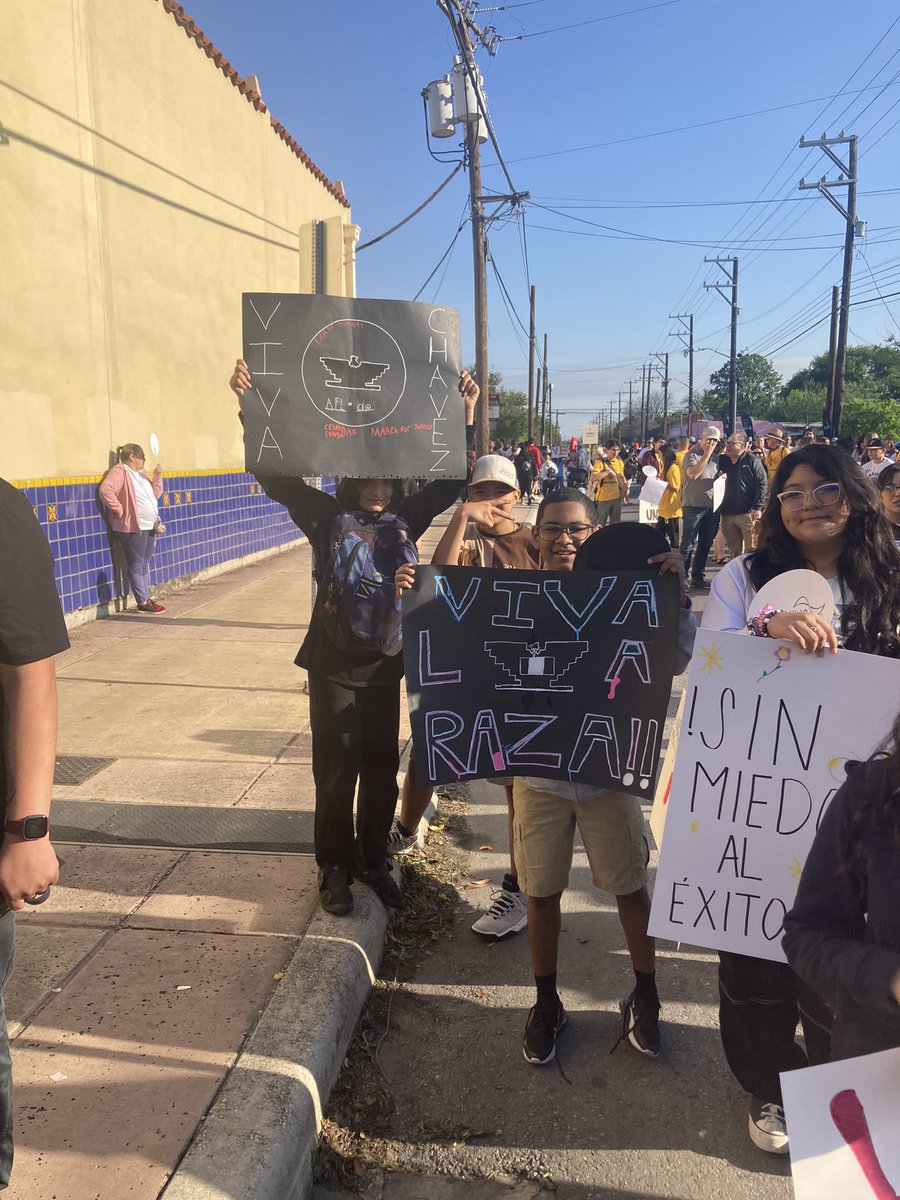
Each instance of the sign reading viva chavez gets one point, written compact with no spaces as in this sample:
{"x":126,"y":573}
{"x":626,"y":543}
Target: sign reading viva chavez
{"x":358,"y":388}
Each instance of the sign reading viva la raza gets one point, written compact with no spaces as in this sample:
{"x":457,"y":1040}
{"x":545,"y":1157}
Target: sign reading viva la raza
{"x":358,"y":388}
{"x":563,"y":675}
{"x":765,"y":736}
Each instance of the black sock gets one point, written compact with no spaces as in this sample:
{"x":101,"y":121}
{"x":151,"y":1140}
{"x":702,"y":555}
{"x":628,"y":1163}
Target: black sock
{"x":646,"y":982}
{"x":546,"y":989}
{"x":510,"y":883}
{"x":406,"y":832}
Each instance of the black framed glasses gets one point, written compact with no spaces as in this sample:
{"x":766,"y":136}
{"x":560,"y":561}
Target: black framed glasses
{"x":576,"y":531}
{"x":822,"y":496}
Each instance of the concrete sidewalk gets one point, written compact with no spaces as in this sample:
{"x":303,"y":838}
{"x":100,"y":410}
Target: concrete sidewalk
{"x":182,"y":978}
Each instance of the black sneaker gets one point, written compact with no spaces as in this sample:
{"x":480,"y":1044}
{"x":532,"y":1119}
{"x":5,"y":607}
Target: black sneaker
{"x":382,"y":882}
{"x":699,"y":585}
{"x":640,"y":1022}
{"x":334,"y":890}
{"x":545,"y":1022}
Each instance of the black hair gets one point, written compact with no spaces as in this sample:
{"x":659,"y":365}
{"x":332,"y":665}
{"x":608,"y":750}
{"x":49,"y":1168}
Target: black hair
{"x":347,"y":493}
{"x":867,"y":566}
{"x":884,"y":477}
{"x":569,"y":495}
{"x":668,"y":457}
{"x":610,"y":443}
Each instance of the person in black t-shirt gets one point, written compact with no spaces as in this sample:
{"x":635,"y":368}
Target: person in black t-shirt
{"x":32,"y":631}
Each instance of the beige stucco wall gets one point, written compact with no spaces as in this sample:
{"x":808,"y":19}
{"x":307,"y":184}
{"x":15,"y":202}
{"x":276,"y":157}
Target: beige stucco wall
{"x":140,"y":194}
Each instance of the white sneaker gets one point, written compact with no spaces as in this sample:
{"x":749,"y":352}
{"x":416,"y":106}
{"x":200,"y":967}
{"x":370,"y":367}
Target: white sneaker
{"x":508,"y":913}
{"x":768,"y":1130}
{"x":402,"y":843}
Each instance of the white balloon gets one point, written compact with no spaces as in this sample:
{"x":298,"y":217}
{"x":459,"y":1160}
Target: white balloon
{"x":650,"y":472}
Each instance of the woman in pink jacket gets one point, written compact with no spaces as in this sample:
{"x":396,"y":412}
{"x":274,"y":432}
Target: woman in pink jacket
{"x":131,"y":496}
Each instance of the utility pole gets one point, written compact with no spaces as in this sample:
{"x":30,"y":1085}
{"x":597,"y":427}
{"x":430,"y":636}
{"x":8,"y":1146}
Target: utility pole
{"x":687,"y":318}
{"x":531,"y":394}
{"x":645,"y":402}
{"x":543,"y":399}
{"x":546,"y":376}
{"x":855,"y":227}
{"x":664,"y":358}
{"x":630,"y":411}
{"x":619,"y":422}
{"x":732,"y":278}
{"x":828,"y":415}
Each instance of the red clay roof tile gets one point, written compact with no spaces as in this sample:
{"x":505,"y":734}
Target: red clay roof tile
{"x":193,"y":30}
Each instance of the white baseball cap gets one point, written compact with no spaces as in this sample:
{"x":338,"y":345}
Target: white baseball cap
{"x":494,"y":468}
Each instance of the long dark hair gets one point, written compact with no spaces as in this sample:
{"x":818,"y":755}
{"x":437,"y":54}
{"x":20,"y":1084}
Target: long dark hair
{"x":867,"y":566}
{"x":876,"y":805}
{"x":668,"y":457}
{"x":347,"y":493}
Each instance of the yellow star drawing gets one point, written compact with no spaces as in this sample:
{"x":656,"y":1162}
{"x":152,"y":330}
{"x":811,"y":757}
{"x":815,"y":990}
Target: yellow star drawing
{"x":695,"y":826}
{"x":834,"y":763}
{"x":795,"y":868}
{"x":712,"y":658}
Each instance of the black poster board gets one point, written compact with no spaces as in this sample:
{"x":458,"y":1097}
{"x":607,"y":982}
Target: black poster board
{"x":358,"y":388}
{"x":564,"y":675}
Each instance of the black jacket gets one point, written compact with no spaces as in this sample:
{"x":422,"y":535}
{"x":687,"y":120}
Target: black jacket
{"x":313,"y":512}
{"x":746,"y":484}
{"x":843,"y":934}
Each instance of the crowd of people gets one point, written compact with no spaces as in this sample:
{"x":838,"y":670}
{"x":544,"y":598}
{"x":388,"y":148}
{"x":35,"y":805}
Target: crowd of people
{"x":834,"y":509}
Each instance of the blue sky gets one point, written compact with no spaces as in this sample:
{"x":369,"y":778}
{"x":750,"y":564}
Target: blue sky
{"x":571,"y":110}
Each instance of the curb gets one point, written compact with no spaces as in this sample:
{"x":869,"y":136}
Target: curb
{"x":258,"y":1138}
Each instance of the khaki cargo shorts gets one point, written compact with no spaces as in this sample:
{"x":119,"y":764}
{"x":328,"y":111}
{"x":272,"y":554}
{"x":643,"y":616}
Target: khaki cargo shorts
{"x":611,"y":827}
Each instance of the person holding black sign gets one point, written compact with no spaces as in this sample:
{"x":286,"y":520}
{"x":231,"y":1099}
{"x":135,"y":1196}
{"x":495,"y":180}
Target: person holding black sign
{"x":611,"y":824}
{"x":482,"y":533}
{"x":354,"y":685}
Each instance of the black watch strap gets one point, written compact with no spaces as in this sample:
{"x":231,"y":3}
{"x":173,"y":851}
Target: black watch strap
{"x":30,"y":828}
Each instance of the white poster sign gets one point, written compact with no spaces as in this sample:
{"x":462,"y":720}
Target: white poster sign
{"x":843,"y":1119}
{"x":664,"y":783}
{"x":718,"y":492}
{"x":648,"y":514}
{"x":590,"y":435}
{"x":764,"y":739}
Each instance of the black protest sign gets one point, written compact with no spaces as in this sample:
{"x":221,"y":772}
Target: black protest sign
{"x":564,"y":675}
{"x":358,"y":388}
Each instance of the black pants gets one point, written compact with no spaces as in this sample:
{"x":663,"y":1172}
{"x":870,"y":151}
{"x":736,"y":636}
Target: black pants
{"x":760,"y":1003}
{"x":670,"y":527}
{"x":701,"y":524}
{"x":354,"y":737}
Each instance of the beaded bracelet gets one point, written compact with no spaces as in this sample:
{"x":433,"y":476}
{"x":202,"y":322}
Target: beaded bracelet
{"x":758,"y":624}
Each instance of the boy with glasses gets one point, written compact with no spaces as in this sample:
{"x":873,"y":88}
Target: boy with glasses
{"x":611,"y":823}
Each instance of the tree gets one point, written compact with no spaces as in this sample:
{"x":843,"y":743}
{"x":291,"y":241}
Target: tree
{"x":758,"y":384}
{"x":872,"y":369}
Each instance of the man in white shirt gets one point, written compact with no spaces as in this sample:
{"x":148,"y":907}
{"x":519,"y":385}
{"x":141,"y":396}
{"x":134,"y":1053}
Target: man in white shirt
{"x":878,"y":458}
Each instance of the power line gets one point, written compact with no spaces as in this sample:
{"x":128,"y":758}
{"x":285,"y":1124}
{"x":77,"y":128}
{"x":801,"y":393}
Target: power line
{"x":521,"y":37}
{"x":638,"y":137}
{"x":448,"y":251}
{"x":414,"y":213}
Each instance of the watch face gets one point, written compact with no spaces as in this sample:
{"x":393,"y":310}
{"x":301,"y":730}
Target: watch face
{"x":35,"y":827}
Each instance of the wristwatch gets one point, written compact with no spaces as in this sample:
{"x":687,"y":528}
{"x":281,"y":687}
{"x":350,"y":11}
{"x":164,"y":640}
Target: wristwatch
{"x":30,"y":828}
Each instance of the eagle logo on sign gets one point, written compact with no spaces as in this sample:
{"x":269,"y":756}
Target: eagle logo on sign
{"x":354,"y":373}
{"x":536,"y":666}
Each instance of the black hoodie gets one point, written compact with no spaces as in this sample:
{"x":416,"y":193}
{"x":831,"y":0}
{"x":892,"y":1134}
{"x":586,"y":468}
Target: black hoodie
{"x":843,"y":934}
